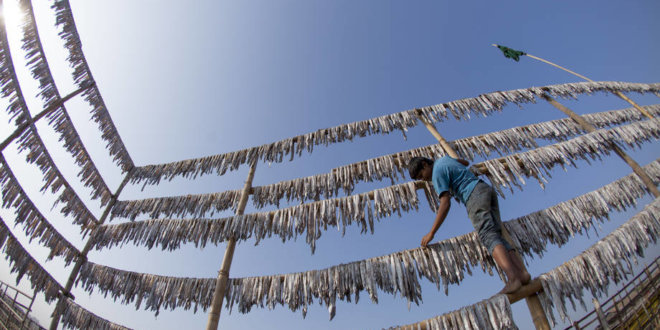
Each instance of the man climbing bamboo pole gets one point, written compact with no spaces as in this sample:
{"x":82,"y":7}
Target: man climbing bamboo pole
{"x":451,"y":176}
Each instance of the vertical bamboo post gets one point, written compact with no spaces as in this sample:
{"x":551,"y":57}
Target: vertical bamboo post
{"x":591,"y":128}
{"x":29,"y":309}
{"x":601,"y":317}
{"x":83,"y":254}
{"x":533,"y":302}
{"x":223,"y":274}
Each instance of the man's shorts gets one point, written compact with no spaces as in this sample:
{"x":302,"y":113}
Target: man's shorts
{"x":484,"y":211}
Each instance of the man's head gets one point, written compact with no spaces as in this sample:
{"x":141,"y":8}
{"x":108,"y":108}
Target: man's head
{"x":420,"y":168}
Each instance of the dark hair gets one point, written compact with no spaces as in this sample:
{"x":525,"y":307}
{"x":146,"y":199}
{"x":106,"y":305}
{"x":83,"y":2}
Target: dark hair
{"x":416,"y":164}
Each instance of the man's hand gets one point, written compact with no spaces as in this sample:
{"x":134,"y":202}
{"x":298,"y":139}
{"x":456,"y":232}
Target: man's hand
{"x":427,"y":238}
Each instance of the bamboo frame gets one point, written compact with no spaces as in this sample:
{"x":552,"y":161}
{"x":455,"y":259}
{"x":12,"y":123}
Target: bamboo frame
{"x":529,"y":289}
{"x":221,"y":282}
{"x":223,"y":274}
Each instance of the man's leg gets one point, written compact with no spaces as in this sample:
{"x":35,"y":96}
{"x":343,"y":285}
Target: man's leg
{"x":483,"y":210}
{"x":513,"y":255}
{"x":525,"y":278}
{"x":505,"y":261}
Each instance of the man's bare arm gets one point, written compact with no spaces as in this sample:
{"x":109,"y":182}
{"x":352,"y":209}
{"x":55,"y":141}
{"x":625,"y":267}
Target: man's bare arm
{"x":443,"y":210}
{"x":463,"y":161}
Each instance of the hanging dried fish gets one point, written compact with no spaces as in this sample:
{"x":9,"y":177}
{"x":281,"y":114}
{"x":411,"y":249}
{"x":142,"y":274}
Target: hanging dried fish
{"x":31,"y":141}
{"x":538,"y":162}
{"x":156,"y":291}
{"x":195,"y":205}
{"x":75,"y":316}
{"x":398,"y":273}
{"x":22,"y":263}
{"x":393,"y":166}
{"x":492,"y":313}
{"x":287,"y":223}
{"x":59,"y":118}
{"x":82,"y":76}
{"x":461,"y":109}
{"x":73,"y":205}
{"x":33,"y":222}
{"x":171,"y":233}
{"x":600,"y":265}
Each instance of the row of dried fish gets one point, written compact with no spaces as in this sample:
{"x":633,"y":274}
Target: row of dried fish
{"x":33,"y":222}
{"x":31,"y":142}
{"x":492,"y":313}
{"x":275,"y":152}
{"x":393,"y":166}
{"x":82,"y":76}
{"x":607,"y":261}
{"x":538,"y":162}
{"x":11,"y":190}
{"x":154,"y":290}
{"x":445,"y":262}
{"x":195,"y":205}
{"x":169,"y":234}
{"x":534,"y":163}
{"x":22,"y":263}
{"x":286,"y":223}
{"x":14,"y":110}
{"x":59,"y":118}
{"x":75,"y":316}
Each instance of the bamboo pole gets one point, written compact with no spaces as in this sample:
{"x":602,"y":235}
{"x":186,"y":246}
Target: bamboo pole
{"x":601,"y":317}
{"x":20,"y":129}
{"x":591,"y":128}
{"x":223,"y":274}
{"x":532,"y":299}
{"x":83,"y":254}
{"x":617,"y":93}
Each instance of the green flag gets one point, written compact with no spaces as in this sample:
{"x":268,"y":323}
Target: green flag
{"x":511,"y":53}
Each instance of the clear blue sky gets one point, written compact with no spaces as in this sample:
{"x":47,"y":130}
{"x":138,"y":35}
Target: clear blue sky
{"x":190,"y":79}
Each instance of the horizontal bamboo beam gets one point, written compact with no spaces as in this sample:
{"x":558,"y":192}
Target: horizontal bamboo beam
{"x":20,"y":129}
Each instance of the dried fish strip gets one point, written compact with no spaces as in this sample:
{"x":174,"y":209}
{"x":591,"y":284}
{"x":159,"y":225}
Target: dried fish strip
{"x":169,"y":234}
{"x":21,"y":262}
{"x":59,"y":118}
{"x":608,"y":260}
{"x":443,"y":263}
{"x":73,"y":205}
{"x":33,"y":222}
{"x":477,"y":315}
{"x":290,"y":147}
{"x":75,"y":316}
{"x":82,"y":76}
{"x":537,"y":163}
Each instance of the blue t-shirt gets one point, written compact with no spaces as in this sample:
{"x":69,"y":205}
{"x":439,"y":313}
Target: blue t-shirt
{"x":450,"y":175}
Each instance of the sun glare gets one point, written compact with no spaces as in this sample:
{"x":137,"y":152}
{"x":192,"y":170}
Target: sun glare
{"x":11,"y":13}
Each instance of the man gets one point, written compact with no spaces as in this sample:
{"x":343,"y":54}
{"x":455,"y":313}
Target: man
{"x":451,"y":177}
